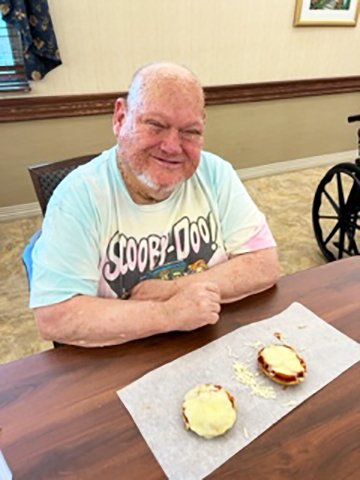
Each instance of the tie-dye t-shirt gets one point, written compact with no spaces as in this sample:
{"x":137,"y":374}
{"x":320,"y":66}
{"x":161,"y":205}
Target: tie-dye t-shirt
{"x":96,"y":241}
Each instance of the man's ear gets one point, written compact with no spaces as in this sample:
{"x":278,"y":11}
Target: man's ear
{"x":120,"y":113}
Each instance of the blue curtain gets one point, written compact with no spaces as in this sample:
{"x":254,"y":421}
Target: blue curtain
{"x":32,"y":19}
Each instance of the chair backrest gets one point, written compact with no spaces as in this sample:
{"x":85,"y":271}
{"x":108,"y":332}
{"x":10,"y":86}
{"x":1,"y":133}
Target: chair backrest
{"x":47,"y":176}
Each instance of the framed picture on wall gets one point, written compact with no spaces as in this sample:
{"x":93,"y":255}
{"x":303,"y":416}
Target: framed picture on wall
{"x":326,"y":12}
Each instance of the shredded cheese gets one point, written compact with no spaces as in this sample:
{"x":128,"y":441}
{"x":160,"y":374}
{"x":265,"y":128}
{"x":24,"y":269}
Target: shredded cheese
{"x":256,"y":344}
{"x":291,"y":403}
{"x":246,"y":377}
{"x":230,"y":352}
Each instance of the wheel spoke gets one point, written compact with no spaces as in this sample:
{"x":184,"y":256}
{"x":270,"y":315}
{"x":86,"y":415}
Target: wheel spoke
{"x":350,"y":233}
{"x":348,"y":252}
{"x":332,"y":201}
{"x":329,"y":217}
{"x":340,"y":189}
{"x":353,"y":246}
{"x":332,"y":233}
{"x":341,"y":242}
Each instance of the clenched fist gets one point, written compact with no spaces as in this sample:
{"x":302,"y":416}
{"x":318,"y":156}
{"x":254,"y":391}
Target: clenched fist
{"x":193,"y":306}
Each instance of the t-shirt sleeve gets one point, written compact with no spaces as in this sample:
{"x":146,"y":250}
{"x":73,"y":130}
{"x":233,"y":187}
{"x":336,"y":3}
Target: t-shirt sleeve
{"x":65,"y":259}
{"x":244,"y":227}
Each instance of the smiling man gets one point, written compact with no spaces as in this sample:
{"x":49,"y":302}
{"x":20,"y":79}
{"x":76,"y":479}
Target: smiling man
{"x":160,"y":131}
{"x":152,"y":235}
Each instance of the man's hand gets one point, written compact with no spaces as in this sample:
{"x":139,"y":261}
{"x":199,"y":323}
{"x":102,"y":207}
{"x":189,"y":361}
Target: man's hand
{"x":193,"y":306}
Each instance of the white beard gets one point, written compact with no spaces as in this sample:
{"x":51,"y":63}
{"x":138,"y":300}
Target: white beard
{"x":148,"y":182}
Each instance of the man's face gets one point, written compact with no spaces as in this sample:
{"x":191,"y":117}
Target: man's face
{"x":160,"y":139}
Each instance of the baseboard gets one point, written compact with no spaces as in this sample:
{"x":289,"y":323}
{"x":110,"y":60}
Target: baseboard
{"x":19,"y":211}
{"x":299,"y":164}
{"x":31,"y":209}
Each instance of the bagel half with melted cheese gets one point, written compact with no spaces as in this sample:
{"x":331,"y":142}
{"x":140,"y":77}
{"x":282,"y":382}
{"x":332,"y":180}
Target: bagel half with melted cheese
{"x":282,"y":364}
{"x":209,"y":410}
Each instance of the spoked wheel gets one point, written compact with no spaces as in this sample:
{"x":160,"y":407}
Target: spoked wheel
{"x":336,"y":212}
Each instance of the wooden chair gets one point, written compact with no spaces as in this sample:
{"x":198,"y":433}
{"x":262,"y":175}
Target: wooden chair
{"x":46,"y":177}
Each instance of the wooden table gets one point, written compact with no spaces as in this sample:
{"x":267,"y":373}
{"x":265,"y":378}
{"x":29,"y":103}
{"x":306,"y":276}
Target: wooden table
{"x":61,"y":418}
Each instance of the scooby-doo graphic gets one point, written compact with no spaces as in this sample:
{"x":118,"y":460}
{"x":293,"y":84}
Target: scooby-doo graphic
{"x":174,"y":270}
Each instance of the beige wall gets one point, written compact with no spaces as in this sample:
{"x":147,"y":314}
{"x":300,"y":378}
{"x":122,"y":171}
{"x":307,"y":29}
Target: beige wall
{"x":224,"y":42}
{"x":248,"y":134}
{"x":30,"y":143}
{"x":259,"y":133}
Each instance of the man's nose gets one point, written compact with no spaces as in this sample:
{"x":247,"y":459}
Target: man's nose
{"x":171,"y":143}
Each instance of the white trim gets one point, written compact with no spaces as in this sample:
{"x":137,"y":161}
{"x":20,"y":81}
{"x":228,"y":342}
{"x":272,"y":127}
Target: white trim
{"x":300,"y":164}
{"x":31,"y":209}
{"x":18,"y":211}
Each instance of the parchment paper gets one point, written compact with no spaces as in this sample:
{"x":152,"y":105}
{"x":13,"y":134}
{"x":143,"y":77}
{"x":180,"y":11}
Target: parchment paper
{"x":155,"y":400}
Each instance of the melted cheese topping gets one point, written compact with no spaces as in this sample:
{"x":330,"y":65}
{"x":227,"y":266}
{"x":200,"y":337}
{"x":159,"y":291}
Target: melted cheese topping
{"x":209,"y":410}
{"x":282,"y":360}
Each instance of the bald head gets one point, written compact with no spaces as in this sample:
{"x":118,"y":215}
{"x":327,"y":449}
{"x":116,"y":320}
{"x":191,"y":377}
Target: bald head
{"x":157,"y":80}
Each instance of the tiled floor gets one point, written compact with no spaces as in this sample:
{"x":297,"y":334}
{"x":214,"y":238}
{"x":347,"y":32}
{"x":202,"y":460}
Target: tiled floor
{"x":285,"y":199}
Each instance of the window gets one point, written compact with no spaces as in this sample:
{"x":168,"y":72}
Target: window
{"x":12,"y":70}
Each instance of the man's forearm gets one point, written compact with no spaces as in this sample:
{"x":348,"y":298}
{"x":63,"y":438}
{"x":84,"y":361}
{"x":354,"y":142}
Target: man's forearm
{"x":158,"y":306}
{"x":240,"y":276}
{"x":91,"y":321}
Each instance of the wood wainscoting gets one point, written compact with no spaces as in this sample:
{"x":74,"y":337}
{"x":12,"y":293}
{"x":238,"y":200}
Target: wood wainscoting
{"x":36,"y":108}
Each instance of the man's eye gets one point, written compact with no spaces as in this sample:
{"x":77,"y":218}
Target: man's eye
{"x":156,"y":124}
{"x":192,"y":132}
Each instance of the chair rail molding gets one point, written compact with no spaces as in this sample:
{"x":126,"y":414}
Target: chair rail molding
{"x":22,"y":108}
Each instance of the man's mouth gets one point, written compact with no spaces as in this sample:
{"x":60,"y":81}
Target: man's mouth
{"x":167,"y":162}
